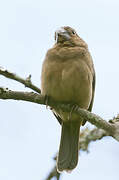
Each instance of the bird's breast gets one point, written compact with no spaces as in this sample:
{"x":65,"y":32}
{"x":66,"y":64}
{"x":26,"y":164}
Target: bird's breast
{"x":67,"y":81}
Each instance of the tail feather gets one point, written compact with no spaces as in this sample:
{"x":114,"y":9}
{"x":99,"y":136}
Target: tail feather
{"x":68,"y":151}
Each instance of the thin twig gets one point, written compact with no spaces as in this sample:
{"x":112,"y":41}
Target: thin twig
{"x":27,"y":82}
{"x":53,"y":173}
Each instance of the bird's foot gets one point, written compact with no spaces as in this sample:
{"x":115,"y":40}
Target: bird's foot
{"x":74,"y":107}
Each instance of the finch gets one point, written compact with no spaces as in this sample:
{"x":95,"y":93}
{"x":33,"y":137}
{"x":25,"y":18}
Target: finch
{"x":68,"y":76}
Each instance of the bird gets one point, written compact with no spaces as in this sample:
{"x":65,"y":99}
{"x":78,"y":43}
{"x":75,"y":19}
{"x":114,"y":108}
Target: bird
{"x":68,"y":76}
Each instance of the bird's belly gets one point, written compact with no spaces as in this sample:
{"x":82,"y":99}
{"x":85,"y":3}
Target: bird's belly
{"x":73,"y":92}
{"x":70,"y":83}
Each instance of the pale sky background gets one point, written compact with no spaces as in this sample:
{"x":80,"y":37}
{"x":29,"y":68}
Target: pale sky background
{"x":29,"y":134}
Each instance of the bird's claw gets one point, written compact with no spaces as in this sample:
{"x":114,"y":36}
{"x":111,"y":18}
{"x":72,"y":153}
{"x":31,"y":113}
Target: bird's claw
{"x":74,"y":107}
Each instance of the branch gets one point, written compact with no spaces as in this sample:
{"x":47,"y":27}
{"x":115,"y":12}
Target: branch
{"x":5,"y":93}
{"x":111,"y":128}
{"x":27,"y":82}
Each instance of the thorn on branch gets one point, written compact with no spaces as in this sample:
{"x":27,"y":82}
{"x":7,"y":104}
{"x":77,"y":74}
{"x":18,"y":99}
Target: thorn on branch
{"x":3,"y":90}
{"x":28,"y":79}
{"x":2,"y":69}
{"x":114,"y":120}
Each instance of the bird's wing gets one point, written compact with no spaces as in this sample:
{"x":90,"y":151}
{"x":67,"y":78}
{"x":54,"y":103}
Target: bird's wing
{"x":58,"y":118}
{"x":91,"y":104}
{"x":93,"y":92}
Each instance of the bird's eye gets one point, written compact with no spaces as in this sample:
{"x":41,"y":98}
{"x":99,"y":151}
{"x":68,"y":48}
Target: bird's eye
{"x":73,"y":32}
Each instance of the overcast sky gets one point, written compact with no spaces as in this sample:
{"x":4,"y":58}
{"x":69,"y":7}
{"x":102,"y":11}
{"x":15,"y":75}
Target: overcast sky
{"x":29,"y":134}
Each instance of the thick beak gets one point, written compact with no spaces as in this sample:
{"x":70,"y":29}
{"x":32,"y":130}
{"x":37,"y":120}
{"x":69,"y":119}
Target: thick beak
{"x":61,"y":33}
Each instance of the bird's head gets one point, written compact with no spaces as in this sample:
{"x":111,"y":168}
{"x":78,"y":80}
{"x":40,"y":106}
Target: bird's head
{"x":68,"y":36}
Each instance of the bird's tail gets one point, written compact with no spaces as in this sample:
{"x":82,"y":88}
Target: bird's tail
{"x":68,"y":152}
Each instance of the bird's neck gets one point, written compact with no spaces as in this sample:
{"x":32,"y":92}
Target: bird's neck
{"x":67,"y":52}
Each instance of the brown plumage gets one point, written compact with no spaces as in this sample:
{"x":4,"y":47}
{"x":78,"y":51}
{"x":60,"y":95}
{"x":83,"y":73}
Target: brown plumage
{"x":68,"y":76}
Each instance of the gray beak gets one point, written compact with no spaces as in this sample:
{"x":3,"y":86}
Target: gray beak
{"x":62,"y":32}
